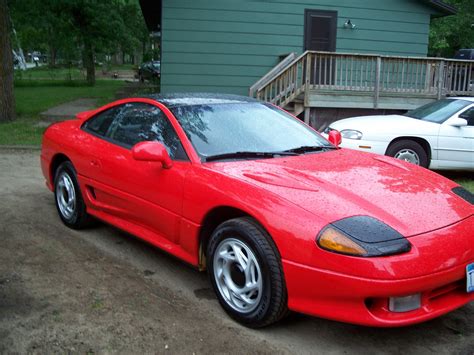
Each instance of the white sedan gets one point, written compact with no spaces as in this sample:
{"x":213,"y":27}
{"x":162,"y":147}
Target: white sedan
{"x":439,"y":135}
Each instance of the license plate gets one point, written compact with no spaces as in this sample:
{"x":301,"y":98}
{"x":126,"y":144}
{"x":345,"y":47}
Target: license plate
{"x":470,"y":277}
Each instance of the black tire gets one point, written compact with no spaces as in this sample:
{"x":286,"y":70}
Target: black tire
{"x":397,"y":148}
{"x":272,"y":300}
{"x":77,"y":218}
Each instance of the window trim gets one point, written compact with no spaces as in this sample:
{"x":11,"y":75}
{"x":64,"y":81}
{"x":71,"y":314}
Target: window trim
{"x":126,"y":146}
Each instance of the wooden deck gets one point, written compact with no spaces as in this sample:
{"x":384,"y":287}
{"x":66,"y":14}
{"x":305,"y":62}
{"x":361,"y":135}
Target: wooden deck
{"x":342,"y":80}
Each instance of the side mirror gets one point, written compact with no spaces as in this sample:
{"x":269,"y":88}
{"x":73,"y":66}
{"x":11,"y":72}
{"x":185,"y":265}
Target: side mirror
{"x":457,"y":122}
{"x":152,"y":151}
{"x":335,"y":137}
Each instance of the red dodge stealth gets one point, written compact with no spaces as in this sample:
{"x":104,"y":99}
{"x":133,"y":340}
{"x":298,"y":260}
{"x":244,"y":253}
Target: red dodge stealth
{"x":281,"y":218}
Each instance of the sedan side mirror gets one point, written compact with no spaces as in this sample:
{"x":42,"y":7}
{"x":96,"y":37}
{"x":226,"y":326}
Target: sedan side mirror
{"x":152,"y":151}
{"x":457,"y":122}
{"x":335,"y":137}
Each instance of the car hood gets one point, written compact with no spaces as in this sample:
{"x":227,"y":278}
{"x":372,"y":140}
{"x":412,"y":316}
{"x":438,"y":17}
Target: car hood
{"x":344,"y":183}
{"x":391,"y":125}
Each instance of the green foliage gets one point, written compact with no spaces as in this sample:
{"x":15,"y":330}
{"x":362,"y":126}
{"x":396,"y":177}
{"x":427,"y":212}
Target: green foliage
{"x":80,"y":30}
{"x":451,"y":33}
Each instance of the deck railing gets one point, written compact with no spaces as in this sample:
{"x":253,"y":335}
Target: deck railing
{"x":370,"y":74}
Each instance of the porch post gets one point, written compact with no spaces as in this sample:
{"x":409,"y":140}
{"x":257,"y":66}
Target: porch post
{"x":377,"y":82}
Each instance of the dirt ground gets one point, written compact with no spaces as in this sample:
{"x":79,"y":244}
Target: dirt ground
{"x":103,"y":291}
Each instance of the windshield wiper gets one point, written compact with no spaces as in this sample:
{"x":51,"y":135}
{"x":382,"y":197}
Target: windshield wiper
{"x":243,"y":155}
{"x":310,"y":148}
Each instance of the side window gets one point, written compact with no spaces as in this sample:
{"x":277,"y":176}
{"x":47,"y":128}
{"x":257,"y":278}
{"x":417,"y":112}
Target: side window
{"x":469,"y":116}
{"x":139,"y":122}
{"x":100,"y":123}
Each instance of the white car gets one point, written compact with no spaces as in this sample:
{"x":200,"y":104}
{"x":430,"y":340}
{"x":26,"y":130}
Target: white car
{"x":439,"y":135}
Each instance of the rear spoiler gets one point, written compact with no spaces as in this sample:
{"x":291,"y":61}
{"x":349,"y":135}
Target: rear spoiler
{"x":84,"y":115}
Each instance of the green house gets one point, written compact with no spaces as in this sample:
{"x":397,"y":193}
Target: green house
{"x":228,"y":45}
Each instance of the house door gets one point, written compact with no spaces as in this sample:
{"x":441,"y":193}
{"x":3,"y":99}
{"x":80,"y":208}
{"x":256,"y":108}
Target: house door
{"x":320,"y":32}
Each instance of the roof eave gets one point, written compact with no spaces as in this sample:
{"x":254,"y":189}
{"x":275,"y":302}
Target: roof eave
{"x":151,"y":10}
{"x":443,"y":7}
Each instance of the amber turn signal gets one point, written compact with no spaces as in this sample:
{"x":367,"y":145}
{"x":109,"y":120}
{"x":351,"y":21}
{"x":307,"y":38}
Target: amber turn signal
{"x":333,"y":240}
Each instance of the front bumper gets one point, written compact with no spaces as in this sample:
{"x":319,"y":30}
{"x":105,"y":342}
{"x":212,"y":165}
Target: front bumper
{"x":357,"y":290}
{"x":365,"y":145}
{"x":364,"y":301}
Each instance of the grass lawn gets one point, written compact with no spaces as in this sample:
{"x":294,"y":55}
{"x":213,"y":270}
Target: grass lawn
{"x":467,"y":183}
{"x":38,"y":96}
{"x":23,"y":131}
{"x":34,"y":97}
{"x":72,"y":73}
{"x":45,"y":73}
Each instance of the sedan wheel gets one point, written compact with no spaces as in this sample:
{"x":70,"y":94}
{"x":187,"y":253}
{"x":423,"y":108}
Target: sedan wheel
{"x":408,"y":155}
{"x":409,"y":151}
{"x":245,"y":270}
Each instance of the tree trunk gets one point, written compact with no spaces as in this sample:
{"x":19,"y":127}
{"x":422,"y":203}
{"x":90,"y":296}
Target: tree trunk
{"x":52,"y":56}
{"x":7,"y":99}
{"x":89,"y":63}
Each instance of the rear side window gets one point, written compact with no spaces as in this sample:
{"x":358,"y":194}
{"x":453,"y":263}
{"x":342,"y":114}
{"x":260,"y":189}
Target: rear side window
{"x":100,"y":124}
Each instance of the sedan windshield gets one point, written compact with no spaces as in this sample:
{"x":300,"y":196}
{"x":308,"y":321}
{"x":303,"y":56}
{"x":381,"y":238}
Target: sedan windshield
{"x":438,"y":111}
{"x":246,"y":129}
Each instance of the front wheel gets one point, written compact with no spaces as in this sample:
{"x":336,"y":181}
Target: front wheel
{"x":69,"y":202}
{"x":409,"y":151}
{"x":246,"y":273}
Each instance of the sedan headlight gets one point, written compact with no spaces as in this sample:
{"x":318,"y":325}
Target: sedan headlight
{"x":351,"y":134}
{"x":362,"y":236}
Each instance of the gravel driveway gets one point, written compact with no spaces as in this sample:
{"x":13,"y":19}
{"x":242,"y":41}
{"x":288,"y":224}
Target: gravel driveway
{"x":102,"y":291}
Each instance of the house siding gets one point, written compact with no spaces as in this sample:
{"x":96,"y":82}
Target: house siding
{"x":226,"y":46}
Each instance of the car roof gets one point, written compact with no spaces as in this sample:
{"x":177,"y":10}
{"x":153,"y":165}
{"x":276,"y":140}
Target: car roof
{"x":192,"y":99}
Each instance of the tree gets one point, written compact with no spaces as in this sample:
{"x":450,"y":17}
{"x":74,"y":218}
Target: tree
{"x":136,"y":35}
{"x":7,"y":99}
{"x":98,"y":26}
{"x":43,"y":26}
{"x":451,"y":33}
{"x":92,"y":28}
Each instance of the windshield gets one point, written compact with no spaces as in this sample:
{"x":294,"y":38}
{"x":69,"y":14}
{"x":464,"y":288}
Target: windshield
{"x":217,"y":129}
{"x":156,"y":65}
{"x":438,"y":111}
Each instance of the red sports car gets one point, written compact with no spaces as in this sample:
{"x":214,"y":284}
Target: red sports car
{"x":281,"y":218}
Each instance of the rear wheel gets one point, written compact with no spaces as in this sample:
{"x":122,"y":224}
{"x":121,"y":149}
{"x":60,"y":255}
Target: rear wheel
{"x":69,"y":202}
{"x":409,"y":151}
{"x":246,"y":273}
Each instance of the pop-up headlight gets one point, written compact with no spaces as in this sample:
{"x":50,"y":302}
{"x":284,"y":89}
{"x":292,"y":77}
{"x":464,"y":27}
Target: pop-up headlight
{"x":362,"y":236}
